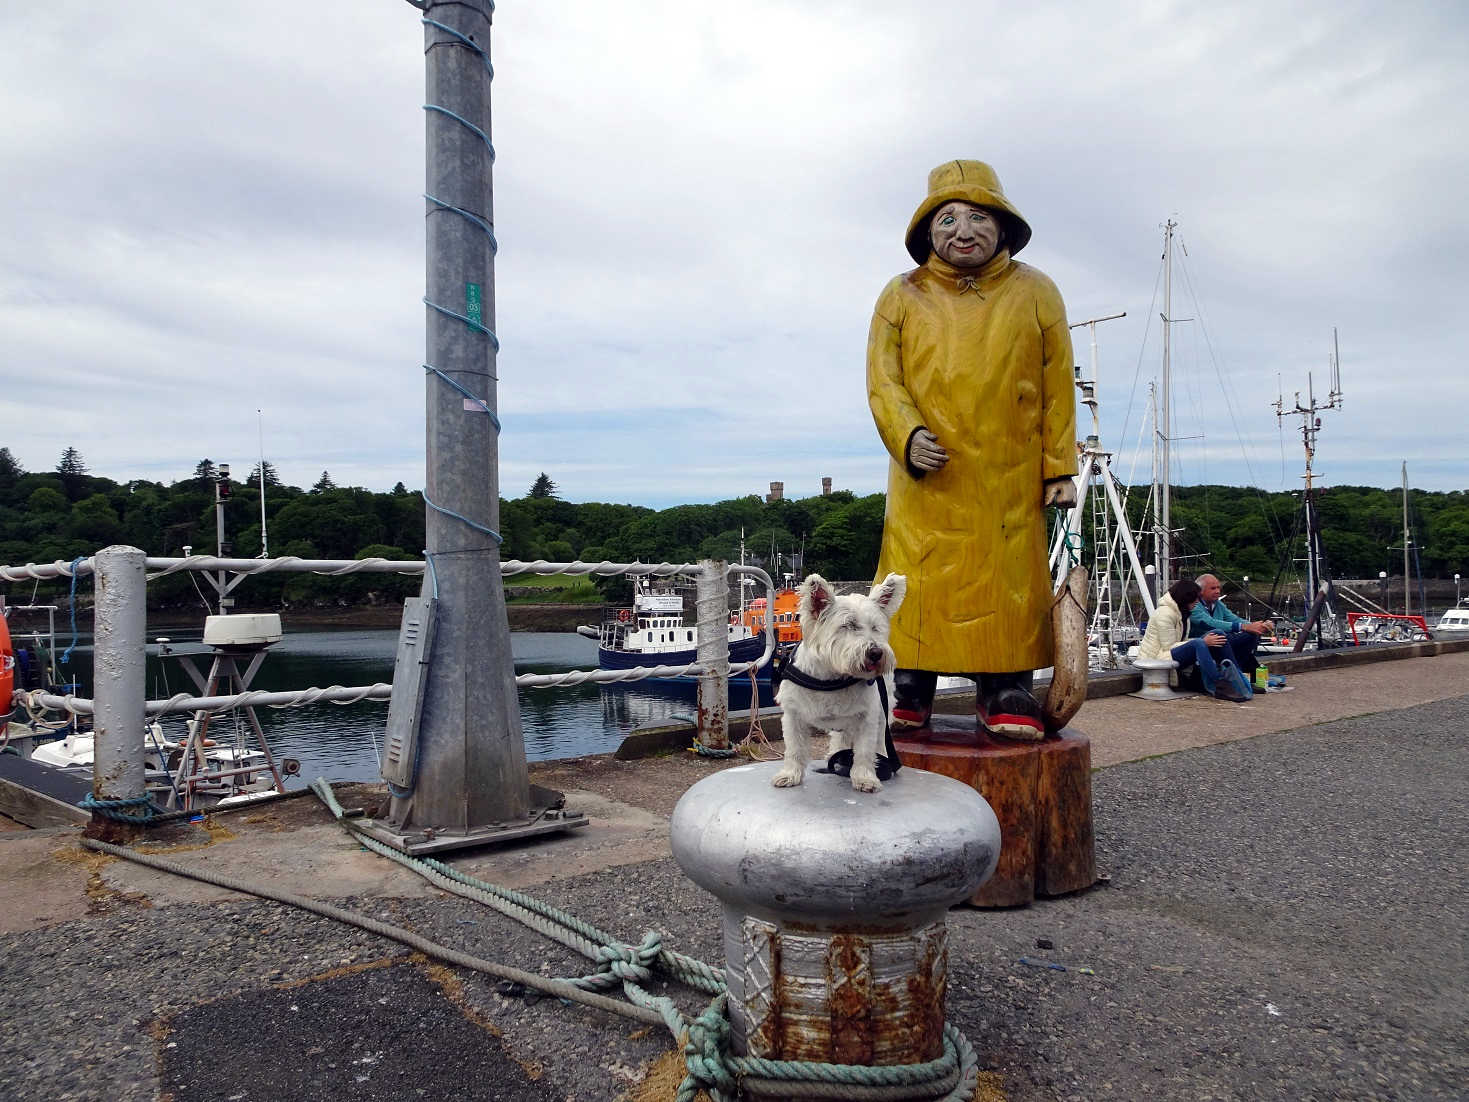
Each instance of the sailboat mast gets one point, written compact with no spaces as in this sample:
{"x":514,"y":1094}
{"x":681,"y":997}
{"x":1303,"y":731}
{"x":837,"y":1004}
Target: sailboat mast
{"x":1407,"y":542}
{"x":264,"y":538}
{"x":1310,"y":426}
{"x":1308,"y":433}
{"x":1164,"y":425}
{"x":1153,"y":488}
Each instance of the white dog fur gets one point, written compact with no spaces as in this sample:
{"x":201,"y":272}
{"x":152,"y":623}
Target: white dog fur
{"x":840,"y":637}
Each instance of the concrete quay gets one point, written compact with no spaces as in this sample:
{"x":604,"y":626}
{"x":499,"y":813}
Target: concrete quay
{"x":1284,"y":916}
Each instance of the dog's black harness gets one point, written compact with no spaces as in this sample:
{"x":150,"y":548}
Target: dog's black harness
{"x":784,"y":669}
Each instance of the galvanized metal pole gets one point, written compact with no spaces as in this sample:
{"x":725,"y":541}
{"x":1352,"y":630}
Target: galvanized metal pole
{"x":712,"y":606}
{"x":121,"y":626}
{"x":471,"y":768}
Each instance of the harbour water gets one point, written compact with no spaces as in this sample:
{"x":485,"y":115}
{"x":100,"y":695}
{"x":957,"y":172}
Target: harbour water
{"x":342,"y":742}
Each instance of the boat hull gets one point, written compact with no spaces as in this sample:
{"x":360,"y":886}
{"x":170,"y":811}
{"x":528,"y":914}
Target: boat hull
{"x":741,"y":650}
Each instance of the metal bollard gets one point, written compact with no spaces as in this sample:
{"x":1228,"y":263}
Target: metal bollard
{"x":119,"y":690}
{"x":711,"y":603}
{"x":834,"y":906}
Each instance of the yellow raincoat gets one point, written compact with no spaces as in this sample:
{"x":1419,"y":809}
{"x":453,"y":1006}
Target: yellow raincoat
{"x":982,"y":359}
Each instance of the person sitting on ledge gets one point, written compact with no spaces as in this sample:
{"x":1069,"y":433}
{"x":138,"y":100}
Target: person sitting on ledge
{"x":1241,"y":637}
{"x":1165,"y":639}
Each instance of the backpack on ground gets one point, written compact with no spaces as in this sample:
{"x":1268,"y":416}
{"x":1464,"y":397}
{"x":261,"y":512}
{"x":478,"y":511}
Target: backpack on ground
{"x":1230,"y":674}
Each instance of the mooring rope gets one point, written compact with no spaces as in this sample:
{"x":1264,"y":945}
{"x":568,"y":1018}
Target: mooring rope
{"x":711,"y":1067}
{"x":710,"y":1064}
{"x":383,"y":929}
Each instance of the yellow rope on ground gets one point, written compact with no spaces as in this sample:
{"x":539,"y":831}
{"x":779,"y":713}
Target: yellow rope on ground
{"x":755,"y":744}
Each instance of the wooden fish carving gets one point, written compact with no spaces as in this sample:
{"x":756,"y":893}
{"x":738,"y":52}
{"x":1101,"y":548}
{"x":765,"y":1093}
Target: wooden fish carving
{"x":1068,"y":628}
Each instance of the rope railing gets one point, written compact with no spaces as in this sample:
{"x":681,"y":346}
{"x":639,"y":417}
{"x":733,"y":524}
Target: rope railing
{"x":37,"y":701}
{"x":183,"y":702}
{"x":162,"y":566}
{"x":336,"y":694}
{"x":608,"y":569}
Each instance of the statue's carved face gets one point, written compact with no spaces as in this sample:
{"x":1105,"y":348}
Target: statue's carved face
{"x":963,"y":234}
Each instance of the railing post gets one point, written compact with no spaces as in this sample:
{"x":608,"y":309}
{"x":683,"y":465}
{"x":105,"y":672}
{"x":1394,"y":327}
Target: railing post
{"x":119,"y":689}
{"x":712,"y":605}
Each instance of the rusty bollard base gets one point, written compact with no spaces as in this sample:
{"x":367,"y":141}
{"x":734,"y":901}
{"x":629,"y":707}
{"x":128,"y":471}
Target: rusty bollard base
{"x":834,"y":903}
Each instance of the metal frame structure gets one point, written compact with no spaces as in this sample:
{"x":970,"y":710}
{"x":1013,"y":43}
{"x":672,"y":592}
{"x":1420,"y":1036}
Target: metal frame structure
{"x":1095,"y":481}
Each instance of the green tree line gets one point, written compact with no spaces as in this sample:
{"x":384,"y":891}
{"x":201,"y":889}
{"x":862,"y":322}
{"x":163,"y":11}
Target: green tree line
{"x":1239,"y":531}
{"x":69,"y":512}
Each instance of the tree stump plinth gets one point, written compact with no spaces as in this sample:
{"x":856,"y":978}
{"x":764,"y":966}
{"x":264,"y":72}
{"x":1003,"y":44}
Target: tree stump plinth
{"x":1041,"y":792}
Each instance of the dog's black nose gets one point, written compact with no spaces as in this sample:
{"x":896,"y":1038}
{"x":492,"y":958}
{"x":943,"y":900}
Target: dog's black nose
{"x":874,"y":655}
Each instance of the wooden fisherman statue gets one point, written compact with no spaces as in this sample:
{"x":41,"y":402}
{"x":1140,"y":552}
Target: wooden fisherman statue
{"x":970,"y":380}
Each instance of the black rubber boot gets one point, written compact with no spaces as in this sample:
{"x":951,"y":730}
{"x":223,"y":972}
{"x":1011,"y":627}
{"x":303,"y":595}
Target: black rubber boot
{"x":913,"y":698}
{"x":1007,"y":708}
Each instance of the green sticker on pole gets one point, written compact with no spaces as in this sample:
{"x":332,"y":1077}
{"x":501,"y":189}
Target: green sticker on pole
{"x":474,"y":308}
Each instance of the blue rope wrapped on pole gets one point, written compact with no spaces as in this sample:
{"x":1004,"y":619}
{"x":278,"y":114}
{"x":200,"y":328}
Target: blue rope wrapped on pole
{"x":116,"y":810}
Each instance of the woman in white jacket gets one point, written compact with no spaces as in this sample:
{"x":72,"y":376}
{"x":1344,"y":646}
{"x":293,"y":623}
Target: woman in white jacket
{"x":1165,"y":639}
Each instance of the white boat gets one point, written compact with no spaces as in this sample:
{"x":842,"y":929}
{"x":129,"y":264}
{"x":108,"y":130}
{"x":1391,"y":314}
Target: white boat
{"x":161,"y":756}
{"x":1454,"y":624}
{"x":222,"y":767}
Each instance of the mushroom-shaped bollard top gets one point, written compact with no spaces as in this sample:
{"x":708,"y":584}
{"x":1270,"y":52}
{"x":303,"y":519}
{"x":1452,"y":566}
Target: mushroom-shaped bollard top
{"x":824,"y":856}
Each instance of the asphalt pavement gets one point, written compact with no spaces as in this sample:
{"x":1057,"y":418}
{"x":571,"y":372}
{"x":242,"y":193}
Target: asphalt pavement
{"x":1285,"y":916}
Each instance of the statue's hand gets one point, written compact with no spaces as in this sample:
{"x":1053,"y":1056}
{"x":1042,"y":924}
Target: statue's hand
{"x":925,"y":452}
{"x":1060,"y":492}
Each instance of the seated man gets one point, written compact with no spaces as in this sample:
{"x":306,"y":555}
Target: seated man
{"x":1240,"y":637}
{"x":1165,"y":638}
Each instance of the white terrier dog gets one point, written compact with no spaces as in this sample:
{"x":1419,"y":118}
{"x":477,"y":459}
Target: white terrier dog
{"x":844,"y":649}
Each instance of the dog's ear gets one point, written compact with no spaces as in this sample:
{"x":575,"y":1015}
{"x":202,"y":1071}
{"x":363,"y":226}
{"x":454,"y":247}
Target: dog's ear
{"x":889,"y":593}
{"x":816,"y":596}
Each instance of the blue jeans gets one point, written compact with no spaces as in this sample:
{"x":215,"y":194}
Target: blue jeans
{"x":1240,"y":645}
{"x":1194,"y":652}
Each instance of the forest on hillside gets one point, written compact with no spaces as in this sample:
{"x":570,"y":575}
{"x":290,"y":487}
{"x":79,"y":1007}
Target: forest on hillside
{"x":68,"y":512}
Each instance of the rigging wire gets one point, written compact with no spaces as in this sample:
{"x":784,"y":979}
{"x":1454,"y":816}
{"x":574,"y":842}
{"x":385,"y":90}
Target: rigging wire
{"x":1137,"y":371}
{"x":1268,"y":509}
{"x":1229,"y":401}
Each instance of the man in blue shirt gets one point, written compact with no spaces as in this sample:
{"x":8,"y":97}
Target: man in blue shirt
{"x":1241,"y":637}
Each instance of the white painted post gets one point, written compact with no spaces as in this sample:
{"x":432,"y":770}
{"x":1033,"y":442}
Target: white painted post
{"x":712,"y":606}
{"x":119,"y":689}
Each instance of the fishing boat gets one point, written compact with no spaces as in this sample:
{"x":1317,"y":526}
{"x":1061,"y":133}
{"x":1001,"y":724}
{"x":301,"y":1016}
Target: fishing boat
{"x":653,"y":632}
{"x":1384,"y":627}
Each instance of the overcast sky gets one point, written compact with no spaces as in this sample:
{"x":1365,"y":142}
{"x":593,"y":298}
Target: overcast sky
{"x":214,"y":209}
